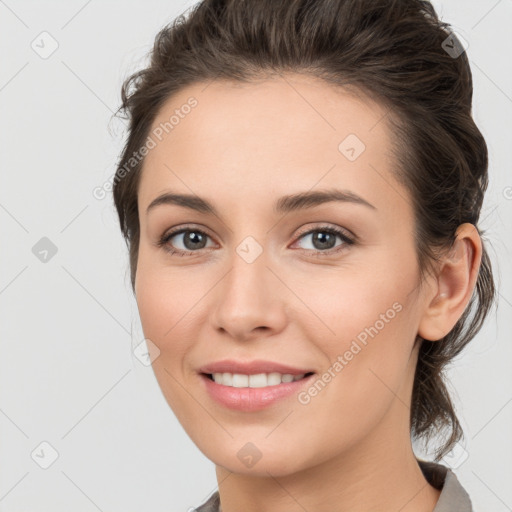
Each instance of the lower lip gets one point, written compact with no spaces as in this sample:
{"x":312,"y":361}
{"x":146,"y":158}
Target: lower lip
{"x":252,"y":399}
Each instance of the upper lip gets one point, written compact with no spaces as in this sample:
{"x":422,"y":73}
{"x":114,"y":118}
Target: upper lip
{"x":250,"y":367}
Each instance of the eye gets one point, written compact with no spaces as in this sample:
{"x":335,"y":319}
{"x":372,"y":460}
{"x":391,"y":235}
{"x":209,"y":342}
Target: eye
{"x":323,"y":240}
{"x":190,"y":239}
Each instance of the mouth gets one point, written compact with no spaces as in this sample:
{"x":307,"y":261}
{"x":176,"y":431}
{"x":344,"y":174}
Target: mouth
{"x":253,"y":385}
{"x":253,"y":392}
{"x":245,"y":392}
{"x":257,"y":380}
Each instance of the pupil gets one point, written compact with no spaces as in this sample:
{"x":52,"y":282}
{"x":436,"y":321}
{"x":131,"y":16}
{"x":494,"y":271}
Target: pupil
{"x":195,"y":237}
{"x":320,"y":238}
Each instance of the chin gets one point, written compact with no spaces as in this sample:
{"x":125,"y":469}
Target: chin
{"x":275,"y":465}
{"x":259,"y":457}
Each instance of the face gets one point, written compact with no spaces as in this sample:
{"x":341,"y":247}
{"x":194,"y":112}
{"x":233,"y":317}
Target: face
{"x":327,"y":287}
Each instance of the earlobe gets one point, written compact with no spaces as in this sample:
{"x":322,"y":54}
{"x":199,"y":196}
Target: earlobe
{"x":453,"y":286}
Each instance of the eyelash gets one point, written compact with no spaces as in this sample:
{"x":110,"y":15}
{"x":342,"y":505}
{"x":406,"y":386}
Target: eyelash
{"x":164,"y":240}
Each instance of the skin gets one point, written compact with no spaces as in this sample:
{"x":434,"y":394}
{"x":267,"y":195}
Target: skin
{"x":242,"y":148}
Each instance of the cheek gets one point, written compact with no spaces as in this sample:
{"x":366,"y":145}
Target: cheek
{"x":163,"y":302}
{"x":356,"y":303}
{"x":369,"y":332}
{"x":167,"y":298}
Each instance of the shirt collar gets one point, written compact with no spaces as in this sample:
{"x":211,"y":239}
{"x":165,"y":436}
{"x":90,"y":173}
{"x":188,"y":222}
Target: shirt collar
{"x":453,"y":497}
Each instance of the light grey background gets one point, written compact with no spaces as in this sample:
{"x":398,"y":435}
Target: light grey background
{"x":68,"y":376}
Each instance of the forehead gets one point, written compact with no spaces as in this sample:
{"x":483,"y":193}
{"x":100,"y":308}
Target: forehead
{"x":246,"y":140}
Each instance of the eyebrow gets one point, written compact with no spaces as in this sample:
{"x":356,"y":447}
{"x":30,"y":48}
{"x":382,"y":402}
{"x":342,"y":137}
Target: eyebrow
{"x":285,"y":204}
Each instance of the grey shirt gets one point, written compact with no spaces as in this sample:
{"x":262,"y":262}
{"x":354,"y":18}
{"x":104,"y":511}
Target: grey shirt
{"x":453,"y":497}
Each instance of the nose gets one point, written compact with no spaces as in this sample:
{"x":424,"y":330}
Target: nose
{"x":249,"y":300}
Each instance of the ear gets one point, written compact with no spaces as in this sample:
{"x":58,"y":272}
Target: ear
{"x":453,"y":286}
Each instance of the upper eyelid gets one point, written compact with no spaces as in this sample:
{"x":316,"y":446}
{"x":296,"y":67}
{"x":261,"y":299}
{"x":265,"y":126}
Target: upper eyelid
{"x":327,"y":227}
{"x":323,"y":225}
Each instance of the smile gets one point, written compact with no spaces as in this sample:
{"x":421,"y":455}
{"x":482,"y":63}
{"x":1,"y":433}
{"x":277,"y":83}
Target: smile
{"x":251,"y":393}
{"x":259,"y":380}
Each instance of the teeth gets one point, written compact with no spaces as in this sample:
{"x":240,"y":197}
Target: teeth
{"x":260,"y":380}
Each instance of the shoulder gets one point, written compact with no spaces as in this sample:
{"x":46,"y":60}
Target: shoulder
{"x":454,"y":497}
{"x":212,"y":504}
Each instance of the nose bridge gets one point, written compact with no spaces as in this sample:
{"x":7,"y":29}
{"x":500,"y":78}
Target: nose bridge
{"x":246,"y":282}
{"x":247,"y":299}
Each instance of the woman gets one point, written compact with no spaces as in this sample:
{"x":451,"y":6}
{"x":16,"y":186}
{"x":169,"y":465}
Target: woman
{"x":300,"y":191}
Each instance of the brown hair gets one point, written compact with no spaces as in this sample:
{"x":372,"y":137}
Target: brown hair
{"x":395,"y":51}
